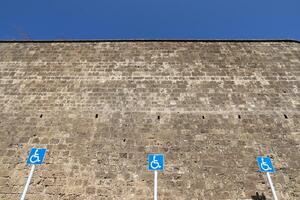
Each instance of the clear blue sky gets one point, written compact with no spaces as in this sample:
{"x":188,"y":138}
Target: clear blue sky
{"x":149,"y":19}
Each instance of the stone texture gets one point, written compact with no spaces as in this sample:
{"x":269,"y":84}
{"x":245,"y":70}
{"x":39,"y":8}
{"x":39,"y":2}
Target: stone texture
{"x":100,"y":107}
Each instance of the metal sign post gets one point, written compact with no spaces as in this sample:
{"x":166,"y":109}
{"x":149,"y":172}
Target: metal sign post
{"x":28,"y":182}
{"x":272,"y":186}
{"x":36,"y":157}
{"x":155,"y":185}
{"x":265,"y":165}
{"x":156,"y":162}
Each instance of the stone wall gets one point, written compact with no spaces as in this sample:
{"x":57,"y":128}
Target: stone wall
{"x":101,"y":107}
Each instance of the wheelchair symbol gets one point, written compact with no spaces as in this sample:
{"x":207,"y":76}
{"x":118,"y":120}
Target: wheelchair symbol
{"x":35,"y":158}
{"x":264,"y":165}
{"x":155,"y":164}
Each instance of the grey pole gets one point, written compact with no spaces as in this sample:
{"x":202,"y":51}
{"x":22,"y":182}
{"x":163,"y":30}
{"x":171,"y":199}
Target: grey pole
{"x":155,"y":185}
{"x":272,"y":186}
{"x":28,"y":182}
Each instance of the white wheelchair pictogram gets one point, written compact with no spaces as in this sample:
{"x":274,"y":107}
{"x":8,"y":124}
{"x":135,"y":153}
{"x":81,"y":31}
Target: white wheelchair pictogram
{"x":264,"y":165}
{"x":35,"y":158}
{"x":155,"y":164}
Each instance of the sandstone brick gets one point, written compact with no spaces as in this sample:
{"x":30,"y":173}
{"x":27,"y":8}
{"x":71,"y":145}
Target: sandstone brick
{"x":90,"y":190}
{"x":54,"y":141}
{"x":4,"y":181}
{"x":4,"y":173}
{"x":54,"y":190}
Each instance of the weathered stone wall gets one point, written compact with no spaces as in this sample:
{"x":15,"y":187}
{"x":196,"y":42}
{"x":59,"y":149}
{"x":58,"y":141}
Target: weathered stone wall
{"x":210,"y":107}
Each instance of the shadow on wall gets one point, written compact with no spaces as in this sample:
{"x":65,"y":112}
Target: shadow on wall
{"x":259,"y":197}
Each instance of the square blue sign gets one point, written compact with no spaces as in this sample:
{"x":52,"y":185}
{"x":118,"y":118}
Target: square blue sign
{"x":156,"y":162}
{"x":265,"y":164}
{"x":36,"y":156}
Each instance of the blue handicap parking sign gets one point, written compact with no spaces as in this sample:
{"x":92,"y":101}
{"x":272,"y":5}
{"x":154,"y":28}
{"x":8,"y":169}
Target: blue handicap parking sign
{"x":36,"y":156}
{"x":156,"y":162}
{"x":265,"y":164}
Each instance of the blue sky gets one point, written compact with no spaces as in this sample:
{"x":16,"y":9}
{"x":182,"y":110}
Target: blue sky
{"x":149,"y":19}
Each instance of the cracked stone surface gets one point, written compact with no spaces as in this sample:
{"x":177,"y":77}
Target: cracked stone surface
{"x":101,"y":107}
